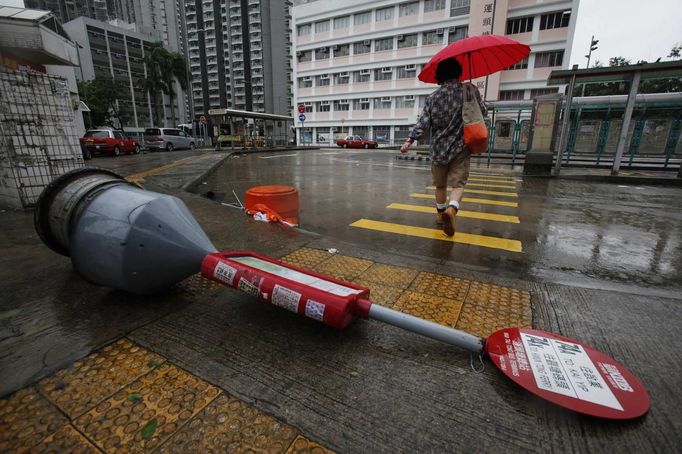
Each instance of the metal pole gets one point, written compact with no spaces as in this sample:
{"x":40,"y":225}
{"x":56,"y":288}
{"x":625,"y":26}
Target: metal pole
{"x":627,"y":116}
{"x":429,"y":329}
{"x":563,"y":138}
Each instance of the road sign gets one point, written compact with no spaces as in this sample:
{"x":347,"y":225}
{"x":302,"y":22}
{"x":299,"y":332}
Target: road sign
{"x":567,"y":373}
{"x":202,"y":120}
{"x":301,"y":108}
{"x":301,"y":117}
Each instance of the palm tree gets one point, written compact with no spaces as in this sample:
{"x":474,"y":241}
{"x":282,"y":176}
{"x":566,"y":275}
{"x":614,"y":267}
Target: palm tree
{"x":163,"y":69}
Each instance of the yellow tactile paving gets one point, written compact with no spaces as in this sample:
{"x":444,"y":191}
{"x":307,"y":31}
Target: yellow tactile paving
{"x":381,"y":294}
{"x":146,"y":412}
{"x":78,"y":388}
{"x":196,"y":286}
{"x":483,"y":322}
{"x":437,"y":234}
{"x":343,"y":267}
{"x":66,"y":440}
{"x":302,"y":445}
{"x":460,"y":213}
{"x":504,"y":298}
{"x":501,"y":203}
{"x":26,"y":417}
{"x":391,"y":276}
{"x":440,"y":285}
{"x":436,"y":309}
{"x":228,"y":425}
{"x":306,"y":257}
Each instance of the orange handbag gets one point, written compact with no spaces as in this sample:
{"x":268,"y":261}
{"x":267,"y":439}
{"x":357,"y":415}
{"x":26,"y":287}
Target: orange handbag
{"x":475,"y":129}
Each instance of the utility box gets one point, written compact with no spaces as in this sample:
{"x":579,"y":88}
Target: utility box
{"x":543,"y":135}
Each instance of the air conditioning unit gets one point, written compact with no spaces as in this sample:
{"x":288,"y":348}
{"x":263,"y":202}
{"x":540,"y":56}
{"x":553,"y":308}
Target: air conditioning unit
{"x":324,"y":103}
{"x":364,"y":99}
{"x":440,"y":31}
{"x":324,"y":76}
{"x":409,"y":98}
{"x":307,"y":78}
{"x":368,"y":42}
{"x":343,"y":74}
{"x":410,"y":67}
{"x":364,"y":72}
{"x":387,"y":99}
{"x":401,"y":37}
{"x":337,"y":47}
{"x":386,"y":70}
{"x":343,"y":101}
{"x":452,"y":29}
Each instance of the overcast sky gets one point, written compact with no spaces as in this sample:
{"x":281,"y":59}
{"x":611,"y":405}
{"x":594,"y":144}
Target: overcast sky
{"x":634,"y":29}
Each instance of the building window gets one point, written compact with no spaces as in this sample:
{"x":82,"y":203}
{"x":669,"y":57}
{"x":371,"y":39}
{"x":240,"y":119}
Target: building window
{"x":308,"y":107}
{"x":306,"y":55}
{"x":555,"y":20}
{"x":523,"y":64}
{"x":400,"y":133}
{"x":383,"y":44}
{"x":362,"y":47}
{"x":457,"y":33}
{"x":407,"y":72}
{"x":322,"y":106}
{"x":341,"y":50}
{"x":404,"y":102}
{"x":362,"y":131}
{"x":433,"y":5}
{"x":361,"y":76}
{"x":341,"y":22}
{"x":384,"y":14}
{"x":459,"y":7}
{"x":408,"y":9}
{"x":519,"y":25}
{"x":322,"y":26}
{"x":511,"y":95}
{"x":362,"y":18}
{"x":383,"y":74}
{"x":382,"y":103}
{"x":504,"y":129}
{"x":432,"y":37}
{"x":341,"y":105}
{"x":361,"y":104}
{"x":322,"y":53}
{"x":305,"y":82}
{"x":341,"y":78}
{"x":304,"y":29}
{"x":322,"y":80}
{"x":382,"y":134}
{"x":407,"y":41}
{"x":548,"y":59}
{"x":543,"y":91}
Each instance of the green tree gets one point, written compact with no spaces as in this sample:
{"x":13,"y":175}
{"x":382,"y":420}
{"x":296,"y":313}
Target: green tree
{"x":675,"y":52}
{"x":163,"y":69}
{"x":619,"y":61}
{"x":100,"y":95}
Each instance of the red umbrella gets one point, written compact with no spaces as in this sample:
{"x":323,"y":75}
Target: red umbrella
{"x":478,"y":55}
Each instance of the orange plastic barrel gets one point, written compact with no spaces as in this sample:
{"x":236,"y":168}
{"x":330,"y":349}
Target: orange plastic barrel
{"x":281,"y":199}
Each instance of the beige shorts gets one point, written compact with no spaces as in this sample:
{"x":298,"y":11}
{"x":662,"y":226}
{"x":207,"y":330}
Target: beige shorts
{"x":454,"y":174}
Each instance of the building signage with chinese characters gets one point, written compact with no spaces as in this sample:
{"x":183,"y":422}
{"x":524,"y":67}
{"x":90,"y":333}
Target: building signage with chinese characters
{"x":488,"y":17}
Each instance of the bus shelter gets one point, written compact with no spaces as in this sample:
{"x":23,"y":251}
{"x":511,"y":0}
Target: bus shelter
{"x":243,"y":129}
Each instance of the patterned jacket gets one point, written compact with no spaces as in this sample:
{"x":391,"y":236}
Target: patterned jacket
{"x":443,"y":114}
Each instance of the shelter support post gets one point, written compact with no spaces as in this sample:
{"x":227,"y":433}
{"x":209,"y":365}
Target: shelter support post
{"x":563,"y":137}
{"x":627,"y":116}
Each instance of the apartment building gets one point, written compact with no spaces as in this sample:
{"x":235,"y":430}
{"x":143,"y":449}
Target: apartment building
{"x":356,"y":63}
{"x":240,"y":55}
{"x":104,"y":49}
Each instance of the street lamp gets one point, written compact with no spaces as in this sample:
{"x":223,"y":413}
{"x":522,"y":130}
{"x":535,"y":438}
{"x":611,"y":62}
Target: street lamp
{"x":593,"y":46}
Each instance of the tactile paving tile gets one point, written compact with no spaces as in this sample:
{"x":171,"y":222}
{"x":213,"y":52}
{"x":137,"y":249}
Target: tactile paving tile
{"x":390,"y":276}
{"x":306,"y":257}
{"x":503,"y":300}
{"x":343,"y":267}
{"x":228,"y":425}
{"x":440,"y":285}
{"x":66,"y":440}
{"x":196,"y":286}
{"x":82,"y":386}
{"x":302,"y":445}
{"x":145,"y":413}
{"x":26,"y":417}
{"x":381,"y":294}
{"x":482,"y":321}
{"x":443,"y":311}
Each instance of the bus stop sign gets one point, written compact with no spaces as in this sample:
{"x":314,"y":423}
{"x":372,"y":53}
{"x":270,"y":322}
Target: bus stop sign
{"x":567,"y":373}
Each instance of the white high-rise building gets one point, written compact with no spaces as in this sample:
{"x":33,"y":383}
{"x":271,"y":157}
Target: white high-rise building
{"x":356,"y":62}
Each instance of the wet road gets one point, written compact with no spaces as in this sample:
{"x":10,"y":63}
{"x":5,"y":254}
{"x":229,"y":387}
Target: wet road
{"x":598,"y":235}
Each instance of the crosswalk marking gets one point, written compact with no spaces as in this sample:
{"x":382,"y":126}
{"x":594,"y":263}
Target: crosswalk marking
{"x":485,"y":185}
{"x":433,"y":234}
{"x":483,"y":191}
{"x":462,"y":213}
{"x":493,"y":180}
{"x":470,"y":200}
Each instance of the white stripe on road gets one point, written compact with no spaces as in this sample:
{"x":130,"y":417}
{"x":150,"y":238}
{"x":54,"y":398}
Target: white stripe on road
{"x":278,"y":156}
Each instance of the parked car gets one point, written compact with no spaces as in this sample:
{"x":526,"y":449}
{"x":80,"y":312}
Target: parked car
{"x":356,"y":142}
{"x":107,"y":141}
{"x":167,"y":139}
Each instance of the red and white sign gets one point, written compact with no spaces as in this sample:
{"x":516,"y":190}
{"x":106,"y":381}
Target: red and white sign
{"x":202,"y":120}
{"x":568,"y":373}
{"x":301,"y":108}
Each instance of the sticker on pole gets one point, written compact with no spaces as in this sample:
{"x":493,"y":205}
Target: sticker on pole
{"x":567,"y":373}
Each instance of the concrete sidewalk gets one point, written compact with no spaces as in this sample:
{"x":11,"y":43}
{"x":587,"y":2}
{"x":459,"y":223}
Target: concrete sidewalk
{"x":206,"y":368}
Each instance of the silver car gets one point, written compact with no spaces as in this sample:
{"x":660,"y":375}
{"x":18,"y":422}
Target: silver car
{"x":168,"y":139}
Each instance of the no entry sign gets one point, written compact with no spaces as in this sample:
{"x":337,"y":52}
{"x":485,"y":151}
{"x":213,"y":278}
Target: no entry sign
{"x":567,"y":373}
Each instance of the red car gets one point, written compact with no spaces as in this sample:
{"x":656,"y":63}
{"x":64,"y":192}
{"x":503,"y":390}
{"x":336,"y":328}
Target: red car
{"x":107,"y":141}
{"x":356,"y":142}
